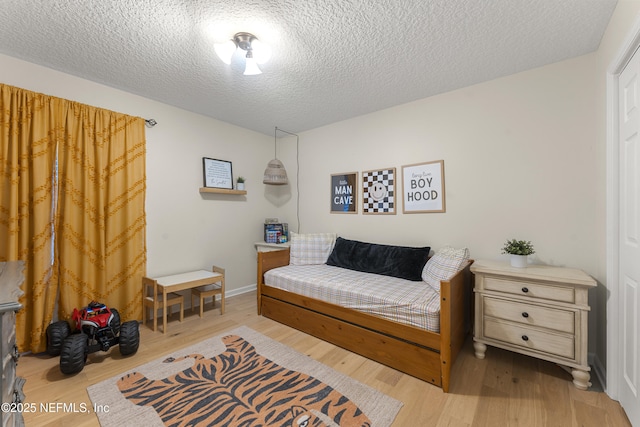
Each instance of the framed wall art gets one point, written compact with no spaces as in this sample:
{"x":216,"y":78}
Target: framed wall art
{"x":217,"y":173}
{"x":344,"y":193}
{"x":379,"y":191}
{"x":423,"y":187}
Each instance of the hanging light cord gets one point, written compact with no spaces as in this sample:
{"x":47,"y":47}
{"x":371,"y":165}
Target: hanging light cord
{"x":275,"y":142}
{"x":275,"y":133}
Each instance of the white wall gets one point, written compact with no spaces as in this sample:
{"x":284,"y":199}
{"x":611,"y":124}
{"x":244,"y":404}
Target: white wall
{"x":185,"y":230}
{"x":519,"y":155}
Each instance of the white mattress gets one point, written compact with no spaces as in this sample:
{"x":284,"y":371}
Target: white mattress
{"x":403,"y":301}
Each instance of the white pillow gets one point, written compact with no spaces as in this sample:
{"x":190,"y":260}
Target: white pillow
{"x":444,"y":265}
{"x":311,"y":248}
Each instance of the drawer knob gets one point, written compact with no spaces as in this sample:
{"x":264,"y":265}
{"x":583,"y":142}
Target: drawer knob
{"x":525,"y":338}
{"x":525,"y":289}
{"x":525,"y":314}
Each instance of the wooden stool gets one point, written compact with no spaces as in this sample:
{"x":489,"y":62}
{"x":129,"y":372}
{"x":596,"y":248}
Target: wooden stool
{"x":152,"y":299}
{"x":206,"y":292}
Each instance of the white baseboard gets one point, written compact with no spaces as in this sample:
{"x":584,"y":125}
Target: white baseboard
{"x":242,"y":290}
{"x":187,"y":295}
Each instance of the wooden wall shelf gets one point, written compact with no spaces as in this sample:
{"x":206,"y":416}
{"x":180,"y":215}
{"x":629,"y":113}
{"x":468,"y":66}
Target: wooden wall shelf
{"x":222,"y":191}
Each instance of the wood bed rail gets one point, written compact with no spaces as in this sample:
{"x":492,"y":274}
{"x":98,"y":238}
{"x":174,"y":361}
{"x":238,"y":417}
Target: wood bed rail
{"x":455,"y":319}
{"x":267,"y":261}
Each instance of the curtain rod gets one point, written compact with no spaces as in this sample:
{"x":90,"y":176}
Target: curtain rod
{"x":150,"y":122}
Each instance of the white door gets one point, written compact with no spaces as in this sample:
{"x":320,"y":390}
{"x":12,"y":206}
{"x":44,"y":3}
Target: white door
{"x":629,"y":238}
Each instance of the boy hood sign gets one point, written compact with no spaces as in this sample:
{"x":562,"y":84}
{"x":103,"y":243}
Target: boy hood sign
{"x":423,"y":187}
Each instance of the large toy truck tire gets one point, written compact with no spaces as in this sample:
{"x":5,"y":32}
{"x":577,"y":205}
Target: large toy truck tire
{"x":115,"y":323}
{"x":57,"y":332}
{"x":74,"y":353}
{"x":129,"y":337}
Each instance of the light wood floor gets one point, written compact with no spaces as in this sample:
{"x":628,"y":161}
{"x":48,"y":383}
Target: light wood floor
{"x":504,"y":389}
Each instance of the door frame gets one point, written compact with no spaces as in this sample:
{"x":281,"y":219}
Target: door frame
{"x":628,"y":48}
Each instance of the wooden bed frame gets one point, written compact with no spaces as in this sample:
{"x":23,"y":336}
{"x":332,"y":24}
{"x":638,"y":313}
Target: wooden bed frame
{"x":422,"y":354}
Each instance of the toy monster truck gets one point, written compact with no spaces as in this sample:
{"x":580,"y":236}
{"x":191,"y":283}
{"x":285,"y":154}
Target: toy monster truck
{"x":97,"y":328}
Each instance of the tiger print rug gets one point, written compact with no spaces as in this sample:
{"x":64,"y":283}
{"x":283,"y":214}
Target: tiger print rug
{"x":240,"y":378}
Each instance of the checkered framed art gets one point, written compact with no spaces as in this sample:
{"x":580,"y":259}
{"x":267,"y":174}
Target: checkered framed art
{"x":379,"y":191}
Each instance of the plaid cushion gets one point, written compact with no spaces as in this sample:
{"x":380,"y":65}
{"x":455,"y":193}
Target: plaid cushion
{"x":400,"y":300}
{"x":444,"y":265}
{"x":311,"y":248}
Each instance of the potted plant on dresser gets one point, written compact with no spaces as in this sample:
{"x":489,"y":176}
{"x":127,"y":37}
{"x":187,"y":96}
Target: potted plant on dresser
{"x":518,"y":250}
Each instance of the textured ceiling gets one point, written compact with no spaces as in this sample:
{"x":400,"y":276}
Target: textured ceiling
{"x":332,"y":59}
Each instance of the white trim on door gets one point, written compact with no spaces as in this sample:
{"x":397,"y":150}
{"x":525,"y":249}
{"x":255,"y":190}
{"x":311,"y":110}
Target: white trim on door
{"x":629,"y":47}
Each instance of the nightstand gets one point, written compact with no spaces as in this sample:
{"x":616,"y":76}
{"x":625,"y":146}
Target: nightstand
{"x":539,"y":310}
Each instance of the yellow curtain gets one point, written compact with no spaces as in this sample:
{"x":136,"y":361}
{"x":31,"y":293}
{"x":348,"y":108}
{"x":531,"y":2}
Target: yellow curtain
{"x":80,"y":227}
{"x":28,"y":135}
{"x":100,"y":220}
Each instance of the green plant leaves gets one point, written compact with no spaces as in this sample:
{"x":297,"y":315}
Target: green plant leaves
{"x":518,"y":247}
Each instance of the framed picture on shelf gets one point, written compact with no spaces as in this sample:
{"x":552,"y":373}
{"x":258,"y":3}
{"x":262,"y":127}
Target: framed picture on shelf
{"x":379,"y":191}
{"x":217,"y":173}
{"x":423,"y":187}
{"x":344,"y":193}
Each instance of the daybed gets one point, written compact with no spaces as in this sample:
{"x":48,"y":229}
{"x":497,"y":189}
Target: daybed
{"x":403,"y":343}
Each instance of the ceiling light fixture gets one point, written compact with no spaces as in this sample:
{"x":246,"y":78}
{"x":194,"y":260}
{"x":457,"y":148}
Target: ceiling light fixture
{"x":256,"y":51}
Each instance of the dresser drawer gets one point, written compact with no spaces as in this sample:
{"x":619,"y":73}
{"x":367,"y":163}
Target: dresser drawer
{"x":528,"y":314}
{"x":530,"y":289}
{"x":529,"y":338}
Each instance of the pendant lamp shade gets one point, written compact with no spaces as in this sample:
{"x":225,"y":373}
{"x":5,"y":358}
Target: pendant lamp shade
{"x":275,"y":173}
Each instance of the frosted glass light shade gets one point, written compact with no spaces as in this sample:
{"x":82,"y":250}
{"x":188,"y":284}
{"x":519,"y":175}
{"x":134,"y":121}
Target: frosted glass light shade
{"x":251,"y":68}
{"x":225,"y":50}
{"x":275,"y":173}
{"x":261,"y":51}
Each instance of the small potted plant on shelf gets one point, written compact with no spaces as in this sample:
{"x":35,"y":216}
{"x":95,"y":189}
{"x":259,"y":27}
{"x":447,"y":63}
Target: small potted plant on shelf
{"x":240,"y":183}
{"x":518,"y":250}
